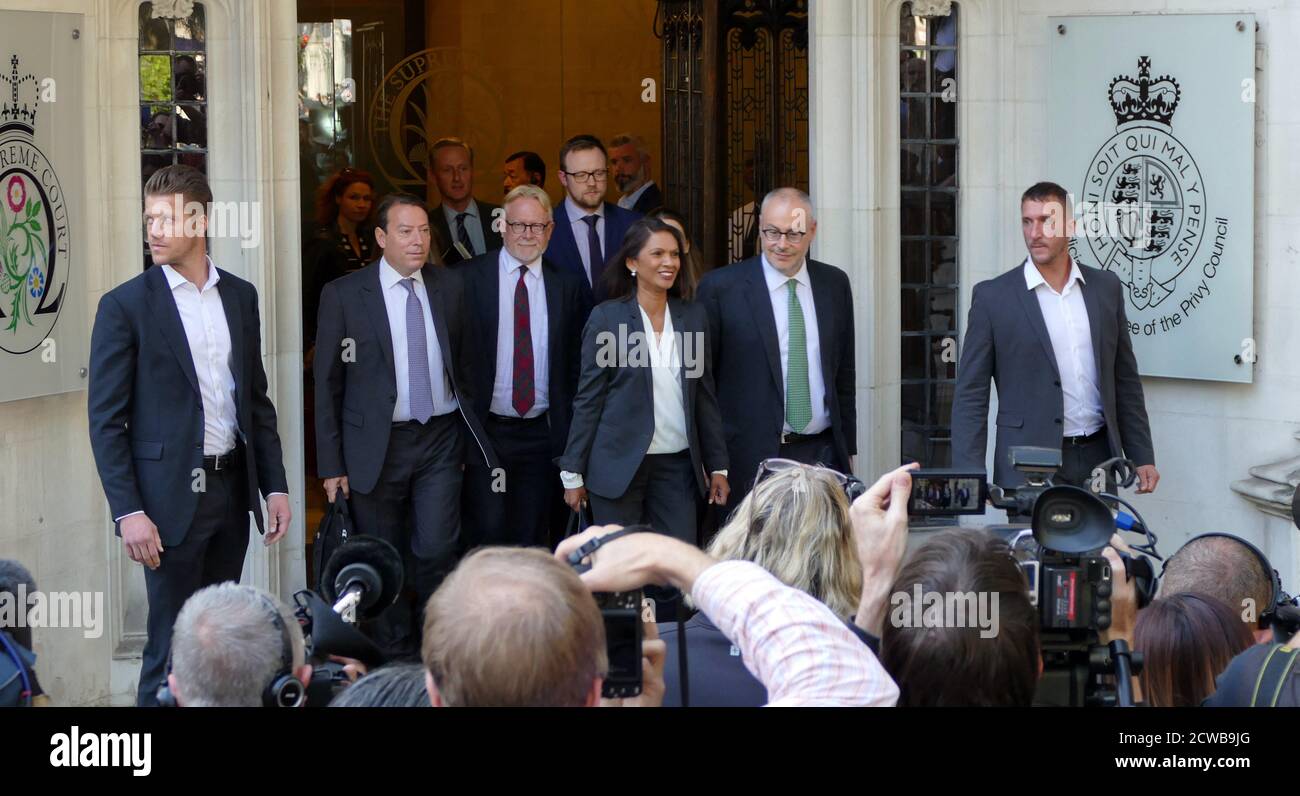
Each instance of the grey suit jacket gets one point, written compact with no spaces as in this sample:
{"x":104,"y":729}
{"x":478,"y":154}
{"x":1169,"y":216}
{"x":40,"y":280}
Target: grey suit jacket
{"x":1007,"y":341}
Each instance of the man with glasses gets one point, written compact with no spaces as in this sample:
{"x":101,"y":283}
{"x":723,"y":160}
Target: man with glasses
{"x":531,"y":314}
{"x":588,"y":230}
{"x":781,"y":329}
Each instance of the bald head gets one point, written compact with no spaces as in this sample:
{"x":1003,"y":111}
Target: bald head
{"x":1220,"y":567}
{"x":514,"y":627}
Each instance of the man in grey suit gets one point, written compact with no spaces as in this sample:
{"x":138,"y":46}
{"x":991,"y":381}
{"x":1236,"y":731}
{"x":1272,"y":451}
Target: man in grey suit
{"x":1054,"y":337}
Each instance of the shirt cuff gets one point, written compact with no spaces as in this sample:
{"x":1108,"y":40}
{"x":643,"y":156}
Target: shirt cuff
{"x":722,"y":473}
{"x":571,"y":480}
{"x":272,"y":494}
{"x":124,"y":516}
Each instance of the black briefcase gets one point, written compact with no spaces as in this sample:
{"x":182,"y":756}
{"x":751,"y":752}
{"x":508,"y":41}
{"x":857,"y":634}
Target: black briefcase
{"x":334,"y":531}
{"x":579,"y":521}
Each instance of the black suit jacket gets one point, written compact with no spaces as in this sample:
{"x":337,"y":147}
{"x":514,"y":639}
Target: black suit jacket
{"x":613,"y":413}
{"x":446,"y":238}
{"x":355,"y":395}
{"x":146,"y":415}
{"x":567,"y":308}
{"x":650,"y":200}
{"x":1007,"y":341}
{"x":747,"y":362}
{"x":563,"y":249}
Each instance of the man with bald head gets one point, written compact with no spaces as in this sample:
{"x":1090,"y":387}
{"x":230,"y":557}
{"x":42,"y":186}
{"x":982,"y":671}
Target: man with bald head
{"x":781,"y":329}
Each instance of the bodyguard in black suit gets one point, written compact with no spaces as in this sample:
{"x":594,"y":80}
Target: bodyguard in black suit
{"x":585,"y":224}
{"x":394,"y":409}
{"x":1054,"y":337}
{"x":646,"y":435}
{"x":183,"y":433}
{"x":782,"y":336}
{"x":526,"y":318}
{"x":460,"y":221}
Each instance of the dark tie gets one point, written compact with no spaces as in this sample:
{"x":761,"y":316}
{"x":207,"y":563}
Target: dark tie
{"x":417,"y":357}
{"x":523,"y":397}
{"x":462,"y":234}
{"x":596,"y":257}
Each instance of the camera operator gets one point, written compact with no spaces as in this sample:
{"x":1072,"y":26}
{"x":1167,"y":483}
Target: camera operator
{"x":514,"y":627}
{"x":236,"y":646}
{"x":1263,"y":675}
{"x":1223,"y":568}
{"x":795,"y":524}
{"x":796,"y":647}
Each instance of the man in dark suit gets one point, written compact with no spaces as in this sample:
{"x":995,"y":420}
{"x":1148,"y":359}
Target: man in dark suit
{"x":782,"y":338}
{"x":588,"y":230}
{"x":1054,"y":338}
{"x":526,"y":317}
{"x":183,"y":432}
{"x":630,"y":161}
{"x":394,"y":408}
{"x":466,"y":228}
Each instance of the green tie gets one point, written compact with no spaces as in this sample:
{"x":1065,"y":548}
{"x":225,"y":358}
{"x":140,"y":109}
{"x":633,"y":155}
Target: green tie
{"x":798,"y":398}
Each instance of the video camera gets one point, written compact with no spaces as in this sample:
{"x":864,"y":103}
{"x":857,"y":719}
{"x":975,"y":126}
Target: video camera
{"x":362,"y":577}
{"x":1059,"y":549}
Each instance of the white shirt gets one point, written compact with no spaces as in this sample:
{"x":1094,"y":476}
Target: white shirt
{"x":503,"y":385}
{"x":395,"y":302}
{"x":473,"y":226}
{"x":1066,"y":317}
{"x":628,"y":201}
{"x":580,"y":233}
{"x":780,"y":294}
{"x":204,"y":318}
{"x":665,"y":378}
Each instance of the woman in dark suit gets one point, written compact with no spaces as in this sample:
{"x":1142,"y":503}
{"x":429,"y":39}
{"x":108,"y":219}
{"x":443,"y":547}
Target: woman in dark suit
{"x":646,"y":435}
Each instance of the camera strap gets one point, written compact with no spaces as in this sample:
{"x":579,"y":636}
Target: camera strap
{"x":592,"y":545}
{"x":1277,"y":666}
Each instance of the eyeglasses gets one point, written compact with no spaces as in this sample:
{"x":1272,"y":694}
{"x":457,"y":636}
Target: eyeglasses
{"x":772,"y":235}
{"x":853,"y":486}
{"x":519,"y":227}
{"x":585,"y":176}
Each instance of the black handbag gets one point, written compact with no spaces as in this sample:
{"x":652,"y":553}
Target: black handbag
{"x":334,"y":531}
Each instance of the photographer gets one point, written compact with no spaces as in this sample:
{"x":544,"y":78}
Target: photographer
{"x":1224,"y":568}
{"x":1264,"y":675}
{"x":795,"y":524}
{"x":236,"y":646}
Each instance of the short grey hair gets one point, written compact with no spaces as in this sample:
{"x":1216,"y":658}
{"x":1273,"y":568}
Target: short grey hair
{"x":528,"y":191}
{"x":1219,"y":567}
{"x":627,"y":138}
{"x":226,"y":647}
{"x":788,"y":194}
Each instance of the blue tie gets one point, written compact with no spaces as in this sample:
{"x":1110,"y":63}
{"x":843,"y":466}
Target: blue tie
{"x":595,"y":255}
{"x":417,"y":357}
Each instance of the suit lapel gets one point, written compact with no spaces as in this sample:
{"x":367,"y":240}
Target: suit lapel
{"x":635,"y":323}
{"x":235,"y":322}
{"x":760,"y":306}
{"x":1034,"y":313}
{"x":678,"y":313}
{"x":1093,"y":302}
{"x":554,"y":312}
{"x":566,"y":248}
{"x":436,"y":309}
{"x":823,"y":301}
{"x":372,"y":296}
{"x":169,"y":322}
{"x":491,"y":309}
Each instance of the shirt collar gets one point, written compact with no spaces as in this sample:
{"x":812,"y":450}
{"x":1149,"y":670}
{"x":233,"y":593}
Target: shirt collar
{"x":389,"y":276}
{"x":635,"y":195}
{"x":510,"y":263}
{"x":1034,"y":277}
{"x":776,"y":279}
{"x":577,"y":213}
{"x":471,"y":210}
{"x":175,"y":280}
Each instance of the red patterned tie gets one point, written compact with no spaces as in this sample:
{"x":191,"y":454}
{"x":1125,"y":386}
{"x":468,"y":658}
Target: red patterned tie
{"x":523,"y":398}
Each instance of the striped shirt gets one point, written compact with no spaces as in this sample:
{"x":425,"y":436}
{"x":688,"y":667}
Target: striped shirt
{"x":796,"y":647}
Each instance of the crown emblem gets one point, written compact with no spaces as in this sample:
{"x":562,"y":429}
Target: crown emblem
{"x":1144,"y":99}
{"x":13,"y":114}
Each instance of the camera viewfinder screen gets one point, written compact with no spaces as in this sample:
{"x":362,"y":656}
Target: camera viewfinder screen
{"x":946,"y":495}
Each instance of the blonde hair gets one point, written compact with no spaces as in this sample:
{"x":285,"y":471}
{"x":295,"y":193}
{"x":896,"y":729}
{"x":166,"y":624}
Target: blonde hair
{"x":513,"y":627}
{"x":528,"y":191}
{"x":795,"y":524}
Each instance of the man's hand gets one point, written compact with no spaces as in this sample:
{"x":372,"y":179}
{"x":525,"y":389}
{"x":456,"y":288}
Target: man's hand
{"x":1123,"y":601}
{"x":576,"y":498}
{"x":1148,"y":477}
{"x":353,"y":669}
{"x":637,"y":560}
{"x":140,"y":540}
{"x":654,"y":653}
{"x":879,"y":519}
{"x":278,"y":516}
{"x":719,"y":489}
{"x":333,"y":485}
